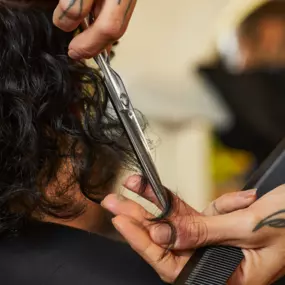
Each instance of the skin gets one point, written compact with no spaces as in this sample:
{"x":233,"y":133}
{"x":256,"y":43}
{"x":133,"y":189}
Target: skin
{"x":111,"y":21}
{"x":150,"y":240}
{"x":240,"y":222}
{"x":94,"y":218}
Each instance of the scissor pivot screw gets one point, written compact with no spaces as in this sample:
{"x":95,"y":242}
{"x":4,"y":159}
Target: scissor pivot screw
{"x":125,"y":99}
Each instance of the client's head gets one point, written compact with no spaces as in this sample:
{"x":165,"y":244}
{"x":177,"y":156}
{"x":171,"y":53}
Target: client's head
{"x":59,"y":142}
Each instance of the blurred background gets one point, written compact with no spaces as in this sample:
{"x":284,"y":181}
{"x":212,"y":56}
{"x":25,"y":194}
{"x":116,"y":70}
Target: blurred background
{"x":208,"y":76}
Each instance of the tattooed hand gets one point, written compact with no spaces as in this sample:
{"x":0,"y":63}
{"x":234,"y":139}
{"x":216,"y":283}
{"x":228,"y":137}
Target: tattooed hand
{"x":233,"y":219}
{"x":112,"y":19}
{"x":261,"y":231}
{"x":133,"y":222}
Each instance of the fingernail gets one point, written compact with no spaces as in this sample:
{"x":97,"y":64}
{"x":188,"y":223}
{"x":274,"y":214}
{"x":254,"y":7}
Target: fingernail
{"x":73,"y":54}
{"x":116,"y":224}
{"x":161,"y":234}
{"x":132,"y":182}
{"x":110,"y":202}
{"x":248,"y":194}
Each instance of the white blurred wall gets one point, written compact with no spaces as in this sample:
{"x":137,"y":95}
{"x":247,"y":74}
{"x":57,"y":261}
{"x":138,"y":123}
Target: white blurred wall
{"x":157,"y":55}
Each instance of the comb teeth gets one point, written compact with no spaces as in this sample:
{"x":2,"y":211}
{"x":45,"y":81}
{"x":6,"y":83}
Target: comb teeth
{"x":214,"y":266}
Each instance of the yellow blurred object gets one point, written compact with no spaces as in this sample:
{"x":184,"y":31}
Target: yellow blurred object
{"x":229,"y":164}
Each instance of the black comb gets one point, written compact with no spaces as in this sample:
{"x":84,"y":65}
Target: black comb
{"x":214,"y":265}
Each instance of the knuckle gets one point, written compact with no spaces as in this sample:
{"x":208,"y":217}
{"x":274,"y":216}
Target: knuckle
{"x":195,"y":234}
{"x":248,"y":235}
{"x":69,"y":11}
{"x":252,"y":219}
{"x":225,"y":203}
{"x":168,"y":278}
{"x":209,"y":210}
{"x":85,"y":53}
{"x":226,"y":198}
{"x":217,"y":207}
{"x":64,"y":6}
{"x":111,"y":29}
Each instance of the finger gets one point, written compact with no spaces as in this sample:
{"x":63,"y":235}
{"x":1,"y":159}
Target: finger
{"x":168,"y":268}
{"x":192,"y":231}
{"x":109,"y":26}
{"x":230,"y":202}
{"x":119,"y":205}
{"x":70,"y":13}
{"x":133,"y":183}
{"x":198,"y":231}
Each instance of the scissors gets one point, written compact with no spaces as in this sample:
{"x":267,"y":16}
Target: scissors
{"x":126,"y":113}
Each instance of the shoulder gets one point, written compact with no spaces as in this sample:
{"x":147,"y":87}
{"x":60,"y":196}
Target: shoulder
{"x":68,"y":256}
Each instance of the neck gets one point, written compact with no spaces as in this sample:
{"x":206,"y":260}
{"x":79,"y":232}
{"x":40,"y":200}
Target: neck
{"x":94,"y":219}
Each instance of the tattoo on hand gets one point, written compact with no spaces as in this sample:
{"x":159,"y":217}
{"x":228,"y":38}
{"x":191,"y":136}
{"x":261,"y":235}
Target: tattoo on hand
{"x":273,"y":221}
{"x":128,"y":9}
{"x":72,"y":3}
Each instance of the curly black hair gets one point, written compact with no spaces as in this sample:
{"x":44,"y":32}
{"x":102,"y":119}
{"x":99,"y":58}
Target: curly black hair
{"x":54,"y":114}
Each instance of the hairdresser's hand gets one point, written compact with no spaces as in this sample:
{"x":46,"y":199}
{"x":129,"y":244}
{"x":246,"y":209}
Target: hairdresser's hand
{"x":133,"y":223}
{"x":259,"y":229}
{"x":112,"y":19}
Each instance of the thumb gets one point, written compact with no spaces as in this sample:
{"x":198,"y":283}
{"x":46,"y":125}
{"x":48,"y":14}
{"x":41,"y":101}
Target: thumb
{"x":233,"y":229}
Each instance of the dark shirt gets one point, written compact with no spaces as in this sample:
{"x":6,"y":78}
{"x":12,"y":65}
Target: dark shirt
{"x":49,"y":254}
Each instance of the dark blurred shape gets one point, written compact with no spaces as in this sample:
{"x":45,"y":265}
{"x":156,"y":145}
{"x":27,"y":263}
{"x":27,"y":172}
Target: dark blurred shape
{"x":256,"y":100}
{"x":255,"y":92}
